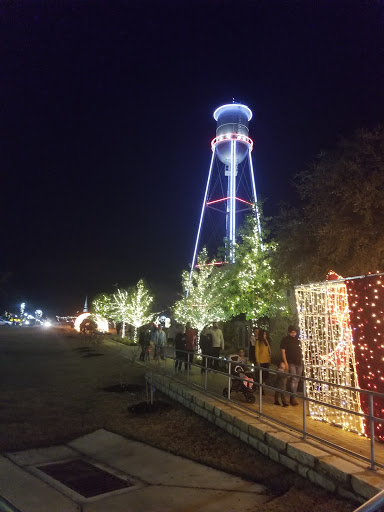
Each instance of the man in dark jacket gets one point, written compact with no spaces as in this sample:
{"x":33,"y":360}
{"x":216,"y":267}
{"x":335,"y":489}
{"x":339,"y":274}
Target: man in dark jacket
{"x":206,"y":346}
{"x":143,"y":343}
{"x":179,"y":347}
{"x":293,"y":358}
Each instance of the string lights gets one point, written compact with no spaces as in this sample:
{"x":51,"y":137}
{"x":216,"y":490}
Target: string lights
{"x":366,"y":305}
{"x":102,"y":323}
{"x":341,"y":324}
{"x":328,"y":352}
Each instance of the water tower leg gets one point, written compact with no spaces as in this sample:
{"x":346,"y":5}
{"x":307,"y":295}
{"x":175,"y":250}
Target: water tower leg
{"x":254,"y":193}
{"x":201,"y":217}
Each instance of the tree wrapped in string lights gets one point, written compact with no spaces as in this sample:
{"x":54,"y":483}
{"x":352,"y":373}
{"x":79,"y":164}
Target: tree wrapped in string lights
{"x":132,"y":306}
{"x":341,"y":324}
{"x":138,"y":310}
{"x":103,"y":306}
{"x":204,"y":292}
{"x":253,"y":287}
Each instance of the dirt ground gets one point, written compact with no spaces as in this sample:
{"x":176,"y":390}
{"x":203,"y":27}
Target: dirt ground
{"x":52,"y":390}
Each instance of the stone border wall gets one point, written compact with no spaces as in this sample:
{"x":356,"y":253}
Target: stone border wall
{"x":321,"y":465}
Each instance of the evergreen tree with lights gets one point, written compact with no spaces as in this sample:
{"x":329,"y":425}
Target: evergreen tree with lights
{"x":204,"y":294}
{"x":253,"y":288}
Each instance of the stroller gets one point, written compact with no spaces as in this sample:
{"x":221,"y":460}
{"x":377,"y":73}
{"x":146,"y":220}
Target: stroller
{"x":245,"y":386}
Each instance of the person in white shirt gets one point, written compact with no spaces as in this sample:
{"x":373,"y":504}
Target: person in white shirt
{"x":217,"y":343}
{"x":159,"y":339}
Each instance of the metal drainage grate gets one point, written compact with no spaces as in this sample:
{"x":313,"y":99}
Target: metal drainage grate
{"x":84,"y":478}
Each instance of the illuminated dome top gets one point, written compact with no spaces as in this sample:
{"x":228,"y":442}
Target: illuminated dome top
{"x":232,"y":107}
{"x":232,"y":125}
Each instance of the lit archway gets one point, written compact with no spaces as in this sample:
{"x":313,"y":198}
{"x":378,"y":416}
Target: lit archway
{"x":102,"y":323}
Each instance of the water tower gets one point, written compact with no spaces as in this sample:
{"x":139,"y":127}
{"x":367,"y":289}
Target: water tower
{"x":230,"y":191}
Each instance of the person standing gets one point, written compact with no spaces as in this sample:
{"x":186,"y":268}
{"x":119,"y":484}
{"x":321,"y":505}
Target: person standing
{"x":118,"y":326}
{"x":206,"y":347}
{"x":293,"y":358}
{"x":179,"y":348}
{"x":190,"y":344}
{"x":252,"y":345}
{"x":171,"y":333}
{"x":159,"y":339}
{"x":142,"y":343}
{"x":148,"y":346}
{"x":217,"y":343}
{"x":281,"y":384}
{"x":263,"y":354}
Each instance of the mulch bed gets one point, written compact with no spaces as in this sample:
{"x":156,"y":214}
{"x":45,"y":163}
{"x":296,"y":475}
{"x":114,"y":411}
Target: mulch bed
{"x":145,"y":407}
{"x":123,"y":388}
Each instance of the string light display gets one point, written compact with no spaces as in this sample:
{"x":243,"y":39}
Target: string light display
{"x":102,"y":323}
{"x":131,"y":306}
{"x":341,"y":324}
{"x":207,"y":288}
{"x":366,"y":306}
{"x":328,"y":352}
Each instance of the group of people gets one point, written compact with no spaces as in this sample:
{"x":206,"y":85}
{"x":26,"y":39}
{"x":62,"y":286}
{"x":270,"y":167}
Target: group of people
{"x":212,"y":343}
{"x":184,"y":340}
{"x":291,"y":361}
{"x":155,"y":337}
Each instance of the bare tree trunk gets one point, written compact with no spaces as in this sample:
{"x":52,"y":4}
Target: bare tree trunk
{"x":123,"y":330}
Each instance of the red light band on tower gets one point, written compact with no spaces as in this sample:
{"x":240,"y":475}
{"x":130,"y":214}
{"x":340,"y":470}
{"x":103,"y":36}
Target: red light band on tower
{"x":244,"y":201}
{"x":217,"y":200}
{"x":232,"y":136}
{"x":225,"y":198}
{"x":211,"y":264}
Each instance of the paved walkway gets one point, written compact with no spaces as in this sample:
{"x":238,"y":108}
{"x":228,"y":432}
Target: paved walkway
{"x":159,"y":481}
{"x":319,"y":464}
{"x":292,"y":416}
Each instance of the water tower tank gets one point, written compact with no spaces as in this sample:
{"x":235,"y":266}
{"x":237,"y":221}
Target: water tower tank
{"x":232,"y":124}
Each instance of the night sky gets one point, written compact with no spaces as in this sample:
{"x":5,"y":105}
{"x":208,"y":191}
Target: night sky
{"x":106,"y":123}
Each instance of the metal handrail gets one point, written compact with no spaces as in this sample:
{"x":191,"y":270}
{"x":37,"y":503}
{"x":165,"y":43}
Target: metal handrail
{"x":5,"y":506}
{"x":372,"y":505}
{"x":370,"y":417}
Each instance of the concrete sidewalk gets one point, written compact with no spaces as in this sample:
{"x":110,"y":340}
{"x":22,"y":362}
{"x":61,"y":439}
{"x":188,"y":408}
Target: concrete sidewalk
{"x":159,"y":481}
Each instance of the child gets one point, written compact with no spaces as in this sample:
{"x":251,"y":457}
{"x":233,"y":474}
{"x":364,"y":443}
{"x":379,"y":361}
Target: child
{"x":148,"y":352}
{"x":281,"y":383}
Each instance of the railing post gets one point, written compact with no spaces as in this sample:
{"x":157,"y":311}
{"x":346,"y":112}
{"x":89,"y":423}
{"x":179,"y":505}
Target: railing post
{"x":304,"y":410}
{"x":229,"y":378}
{"x":260,"y":391}
{"x":188,"y":367}
{"x":372,"y":431}
{"x":206,"y":373}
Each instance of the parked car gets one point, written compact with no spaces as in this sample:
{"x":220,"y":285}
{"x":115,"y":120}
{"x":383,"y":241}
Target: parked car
{"x":5,"y":321}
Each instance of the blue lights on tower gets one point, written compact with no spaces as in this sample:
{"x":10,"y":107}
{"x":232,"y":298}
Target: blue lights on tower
{"x":231,"y":163}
